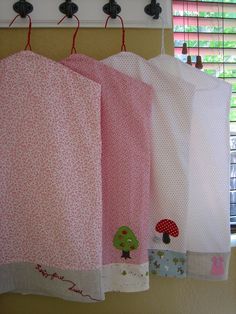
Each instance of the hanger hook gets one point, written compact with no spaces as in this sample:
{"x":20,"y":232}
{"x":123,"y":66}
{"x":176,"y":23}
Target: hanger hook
{"x":73,"y":49}
{"x":112,"y":9}
{"x":123,"y":44}
{"x":23,"y":8}
{"x":68,"y":8}
{"x":153,"y":9}
{"x":28,"y":44}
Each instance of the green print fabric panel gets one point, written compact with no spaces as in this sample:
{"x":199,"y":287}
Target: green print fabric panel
{"x":167,"y":263}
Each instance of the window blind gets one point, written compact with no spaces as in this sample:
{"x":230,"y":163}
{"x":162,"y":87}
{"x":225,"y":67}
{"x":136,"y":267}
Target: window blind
{"x":208,"y":27}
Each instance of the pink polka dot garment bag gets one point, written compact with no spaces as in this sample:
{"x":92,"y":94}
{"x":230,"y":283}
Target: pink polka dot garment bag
{"x":125,"y":113}
{"x":50,"y":186}
{"x":171,"y":111}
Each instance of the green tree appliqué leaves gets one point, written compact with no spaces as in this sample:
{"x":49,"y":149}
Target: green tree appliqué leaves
{"x":125,"y":241}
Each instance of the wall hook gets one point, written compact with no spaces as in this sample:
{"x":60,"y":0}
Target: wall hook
{"x":23,"y":8}
{"x":68,"y":8}
{"x":112,"y":9}
{"x":153,"y":9}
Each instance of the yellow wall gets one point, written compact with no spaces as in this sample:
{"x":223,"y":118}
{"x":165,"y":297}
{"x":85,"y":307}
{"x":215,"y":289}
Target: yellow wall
{"x":166,"y":296}
{"x":97,"y":43}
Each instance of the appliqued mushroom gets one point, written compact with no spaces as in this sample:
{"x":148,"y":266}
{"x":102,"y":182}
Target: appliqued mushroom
{"x":168,"y":228}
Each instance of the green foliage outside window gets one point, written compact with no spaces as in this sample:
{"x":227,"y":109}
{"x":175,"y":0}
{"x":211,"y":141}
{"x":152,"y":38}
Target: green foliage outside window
{"x":205,"y":29}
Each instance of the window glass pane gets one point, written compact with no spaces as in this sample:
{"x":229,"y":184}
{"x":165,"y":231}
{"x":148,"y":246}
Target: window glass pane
{"x":233,"y":171}
{"x":233,"y":157}
{"x":233,"y":197}
{"x":233,"y":132}
{"x":233,"y":184}
{"x":233,"y":101}
{"x":232,"y":115}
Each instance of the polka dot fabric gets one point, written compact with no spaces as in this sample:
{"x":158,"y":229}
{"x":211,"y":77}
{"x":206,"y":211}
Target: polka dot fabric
{"x":126,"y":120}
{"x":208,"y":228}
{"x":167,"y":226}
{"x":171,"y":116}
{"x":208,"y":173}
{"x":50,"y":139}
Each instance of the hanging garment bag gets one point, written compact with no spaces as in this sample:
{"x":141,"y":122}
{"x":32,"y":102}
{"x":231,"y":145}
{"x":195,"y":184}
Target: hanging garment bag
{"x":208,"y":228}
{"x":50,"y":186}
{"x":171,"y":121}
{"x":125,"y":120}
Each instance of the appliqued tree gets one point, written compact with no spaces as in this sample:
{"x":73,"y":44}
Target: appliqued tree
{"x":126,"y":241}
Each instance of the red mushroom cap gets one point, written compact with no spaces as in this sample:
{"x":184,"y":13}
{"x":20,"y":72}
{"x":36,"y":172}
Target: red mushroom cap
{"x":167,"y":226}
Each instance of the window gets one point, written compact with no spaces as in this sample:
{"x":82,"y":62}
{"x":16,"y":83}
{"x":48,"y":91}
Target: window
{"x":208,"y":27}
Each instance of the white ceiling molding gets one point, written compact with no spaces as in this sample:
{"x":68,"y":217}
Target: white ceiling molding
{"x":46,"y":14}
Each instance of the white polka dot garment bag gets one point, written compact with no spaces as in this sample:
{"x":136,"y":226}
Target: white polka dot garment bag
{"x":208,"y":229}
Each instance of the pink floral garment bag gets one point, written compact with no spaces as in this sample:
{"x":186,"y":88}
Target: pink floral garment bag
{"x":50,"y":186}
